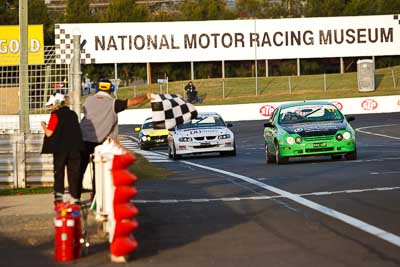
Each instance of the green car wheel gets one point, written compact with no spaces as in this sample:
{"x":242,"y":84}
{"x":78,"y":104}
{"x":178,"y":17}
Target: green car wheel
{"x":278,"y":158}
{"x":351,"y":156}
{"x":269,"y":157}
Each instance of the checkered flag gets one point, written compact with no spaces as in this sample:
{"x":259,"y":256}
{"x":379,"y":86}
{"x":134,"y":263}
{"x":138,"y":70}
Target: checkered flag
{"x":170,"y":110}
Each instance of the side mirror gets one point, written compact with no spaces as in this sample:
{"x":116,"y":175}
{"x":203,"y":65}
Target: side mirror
{"x":229,"y":125}
{"x":137,"y":129}
{"x":350,"y":118}
{"x":268,"y":124}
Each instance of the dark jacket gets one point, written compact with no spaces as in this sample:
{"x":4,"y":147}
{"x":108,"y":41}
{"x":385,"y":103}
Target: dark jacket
{"x":67,"y":136}
{"x":190,"y":88}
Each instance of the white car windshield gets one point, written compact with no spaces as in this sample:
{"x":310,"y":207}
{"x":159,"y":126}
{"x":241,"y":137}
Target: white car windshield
{"x":208,"y":121}
{"x":309,"y":113}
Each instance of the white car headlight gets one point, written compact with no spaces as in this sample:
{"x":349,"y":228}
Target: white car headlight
{"x":144,"y":138}
{"x":346,"y":135}
{"x":224,"y":136}
{"x":185,"y":139}
{"x":290,"y":140}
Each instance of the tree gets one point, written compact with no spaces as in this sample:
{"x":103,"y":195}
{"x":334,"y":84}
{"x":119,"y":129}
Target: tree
{"x":248,"y":8}
{"x":361,"y":7}
{"x":38,"y":14}
{"x":388,"y":6}
{"x":327,"y":8}
{"x":204,"y":10}
{"x":78,"y":11}
{"x":9,"y":12}
{"x":191,"y":10}
{"x":126,"y":11}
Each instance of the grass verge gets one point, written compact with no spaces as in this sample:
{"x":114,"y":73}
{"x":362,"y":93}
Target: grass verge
{"x":143,"y":169}
{"x":276,"y":88}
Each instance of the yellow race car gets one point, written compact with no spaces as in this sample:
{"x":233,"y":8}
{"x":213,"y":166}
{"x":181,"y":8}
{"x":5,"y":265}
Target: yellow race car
{"x":149,"y":137}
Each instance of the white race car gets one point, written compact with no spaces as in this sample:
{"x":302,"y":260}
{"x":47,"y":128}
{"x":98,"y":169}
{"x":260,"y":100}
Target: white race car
{"x":207,"y":133}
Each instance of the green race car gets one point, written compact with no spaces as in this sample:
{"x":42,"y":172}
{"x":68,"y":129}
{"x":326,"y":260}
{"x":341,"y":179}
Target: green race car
{"x":308,"y":128}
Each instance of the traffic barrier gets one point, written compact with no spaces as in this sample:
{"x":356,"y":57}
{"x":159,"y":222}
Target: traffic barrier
{"x":114,"y":191}
{"x":122,"y":241}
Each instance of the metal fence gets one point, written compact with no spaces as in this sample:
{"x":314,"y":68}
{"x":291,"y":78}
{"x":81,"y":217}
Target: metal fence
{"x":21,"y":163}
{"x":43,"y":80}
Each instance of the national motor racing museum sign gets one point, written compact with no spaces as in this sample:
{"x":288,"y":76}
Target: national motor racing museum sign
{"x":231,"y":39}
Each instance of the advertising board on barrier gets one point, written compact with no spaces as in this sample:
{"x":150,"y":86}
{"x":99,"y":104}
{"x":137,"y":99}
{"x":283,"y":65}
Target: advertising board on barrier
{"x":184,"y":41}
{"x":262,"y":111}
{"x":10,"y":47}
{"x":240,"y":112}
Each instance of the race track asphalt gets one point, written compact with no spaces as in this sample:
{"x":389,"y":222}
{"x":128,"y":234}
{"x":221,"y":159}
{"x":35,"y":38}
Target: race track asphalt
{"x":218,"y":211}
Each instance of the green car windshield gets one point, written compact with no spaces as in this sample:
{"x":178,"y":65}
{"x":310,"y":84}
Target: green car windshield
{"x":203,"y":122}
{"x":309,"y":113}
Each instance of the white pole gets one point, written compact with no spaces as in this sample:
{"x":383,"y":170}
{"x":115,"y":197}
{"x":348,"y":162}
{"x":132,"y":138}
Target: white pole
{"x":75,"y":90}
{"x":23,"y":68}
{"x":223,"y":79}
{"x":116,"y":79}
{"x":298,"y":67}
{"x":341,"y":65}
{"x":255,"y":58}
{"x":394,"y":80}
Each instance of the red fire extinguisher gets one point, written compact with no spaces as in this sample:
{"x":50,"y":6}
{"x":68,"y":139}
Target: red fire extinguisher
{"x":64,"y":236}
{"x":67,"y":232}
{"x":76,"y":214}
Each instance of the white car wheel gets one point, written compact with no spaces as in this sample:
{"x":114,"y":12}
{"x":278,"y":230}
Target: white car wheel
{"x":174,"y":155}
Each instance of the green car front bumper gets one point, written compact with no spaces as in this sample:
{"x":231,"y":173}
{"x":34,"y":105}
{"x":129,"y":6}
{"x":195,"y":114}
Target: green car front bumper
{"x":317,"y":148}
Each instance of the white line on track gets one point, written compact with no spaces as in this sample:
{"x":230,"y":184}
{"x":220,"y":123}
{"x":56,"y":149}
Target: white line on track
{"x":153,"y":157}
{"x":373,"y":230}
{"x":230,"y":199}
{"x":361,"y":130}
{"x":380,"y":233}
{"x":379,"y":173}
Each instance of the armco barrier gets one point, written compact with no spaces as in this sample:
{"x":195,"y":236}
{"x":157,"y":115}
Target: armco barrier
{"x":238,"y":112}
{"x":262,"y":110}
{"x":38,"y":167}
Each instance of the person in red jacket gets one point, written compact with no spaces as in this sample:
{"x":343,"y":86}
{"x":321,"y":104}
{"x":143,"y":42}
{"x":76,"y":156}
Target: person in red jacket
{"x":63,"y":139}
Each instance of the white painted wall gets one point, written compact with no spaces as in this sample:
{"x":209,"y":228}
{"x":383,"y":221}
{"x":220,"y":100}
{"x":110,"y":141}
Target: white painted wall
{"x":239,"y":112}
{"x":261,"y":111}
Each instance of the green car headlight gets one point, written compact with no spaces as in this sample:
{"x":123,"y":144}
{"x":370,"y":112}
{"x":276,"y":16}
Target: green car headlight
{"x":298,"y":140}
{"x":346,"y":135}
{"x":339,"y":137}
{"x":290,"y":140}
